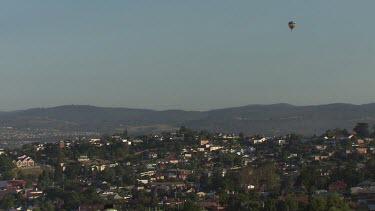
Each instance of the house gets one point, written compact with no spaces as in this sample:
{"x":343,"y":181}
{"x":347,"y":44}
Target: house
{"x":360,"y":141}
{"x":137,"y":141}
{"x":98,"y":167}
{"x":112,"y":165}
{"x":65,"y":144}
{"x":117,"y":197}
{"x":320,"y":147}
{"x":293,"y":155}
{"x":183,"y":174}
{"x":159,"y":176}
{"x":83,"y":158}
{"x":142,"y":181}
{"x":152,"y":155}
{"x":211,"y":204}
{"x":337,"y":186}
{"x":24,"y":161}
{"x":188,"y":155}
{"x":14,"y":186}
{"x":148,"y":173}
{"x":203,"y":142}
{"x":39,"y":147}
{"x":364,"y":188}
{"x":258,"y":141}
{"x":281,"y":142}
{"x":126,"y":141}
{"x":229,"y":136}
{"x":61,"y":144}
{"x":34,"y":194}
{"x":214,"y":148}
{"x":361,"y":150}
{"x":93,"y":140}
{"x":247,"y":187}
{"x":367,"y":184}
{"x":319,"y":157}
{"x":173,"y":161}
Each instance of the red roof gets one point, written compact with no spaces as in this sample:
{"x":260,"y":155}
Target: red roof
{"x":338,"y":184}
{"x":17,"y":182}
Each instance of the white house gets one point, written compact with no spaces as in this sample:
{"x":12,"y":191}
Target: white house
{"x":258,"y":141}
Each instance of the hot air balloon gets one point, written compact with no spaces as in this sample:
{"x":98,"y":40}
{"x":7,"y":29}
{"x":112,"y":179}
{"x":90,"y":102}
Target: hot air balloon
{"x":292,"y":24}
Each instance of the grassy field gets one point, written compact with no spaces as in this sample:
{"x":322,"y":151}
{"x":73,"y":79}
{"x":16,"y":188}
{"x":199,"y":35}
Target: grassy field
{"x":35,"y":171}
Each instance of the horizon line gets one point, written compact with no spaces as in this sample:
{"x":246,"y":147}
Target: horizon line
{"x":186,"y":110}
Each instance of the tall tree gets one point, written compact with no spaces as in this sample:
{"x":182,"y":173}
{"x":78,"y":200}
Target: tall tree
{"x":6,"y":167}
{"x":125,"y":133}
{"x":362,"y":130}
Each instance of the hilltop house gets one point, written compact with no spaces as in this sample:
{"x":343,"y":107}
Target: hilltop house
{"x":24,"y":161}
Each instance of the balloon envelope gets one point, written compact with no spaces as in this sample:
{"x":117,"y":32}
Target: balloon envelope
{"x":292,"y":24}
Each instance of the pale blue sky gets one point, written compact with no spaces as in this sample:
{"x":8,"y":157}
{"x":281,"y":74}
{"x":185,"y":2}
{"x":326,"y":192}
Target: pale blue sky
{"x":193,"y":55}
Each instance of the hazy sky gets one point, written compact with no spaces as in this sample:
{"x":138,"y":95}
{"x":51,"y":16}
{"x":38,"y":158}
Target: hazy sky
{"x":194,"y":55}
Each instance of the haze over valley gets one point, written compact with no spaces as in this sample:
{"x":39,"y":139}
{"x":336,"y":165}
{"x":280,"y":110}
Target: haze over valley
{"x":276,"y":119}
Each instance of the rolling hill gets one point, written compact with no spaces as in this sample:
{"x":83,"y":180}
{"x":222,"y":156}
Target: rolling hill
{"x":252,"y":119}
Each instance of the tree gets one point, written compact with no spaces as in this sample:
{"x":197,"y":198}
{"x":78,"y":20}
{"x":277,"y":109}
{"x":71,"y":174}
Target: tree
{"x":330,"y":202}
{"x":336,"y":132}
{"x":370,"y":169}
{"x":108,"y":174}
{"x":373,"y":131}
{"x":90,"y":196}
{"x":318,"y":204}
{"x":73,"y":171}
{"x":270,"y":205}
{"x":72,"y":200}
{"x":267,"y":174}
{"x":6,"y":167}
{"x":241,"y":135}
{"x":362,"y":130}
{"x":8,"y":201}
{"x":58,"y":177}
{"x":247,"y":175}
{"x":125,"y":133}
{"x":291,"y":204}
{"x":191,"y":206}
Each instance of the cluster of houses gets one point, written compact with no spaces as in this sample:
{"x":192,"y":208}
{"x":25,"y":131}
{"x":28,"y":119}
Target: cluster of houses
{"x":18,"y":187}
{"x":169,"y":172}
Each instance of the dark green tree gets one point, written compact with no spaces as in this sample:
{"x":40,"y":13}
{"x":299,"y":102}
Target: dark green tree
{"x":270,"y":205}
{"x":125,"y":133}
{"x":6,"y":167}
{"x":47,"y":207}
{"x":191,"y":206}
{"x":362,"y":130}
{"x":8,"y":201}
{"x":330,"y":202}
{"x":58,"y":177}
{"x":370,"y":169}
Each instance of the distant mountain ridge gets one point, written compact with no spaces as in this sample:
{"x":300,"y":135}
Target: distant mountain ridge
{"x":271,"y":119}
